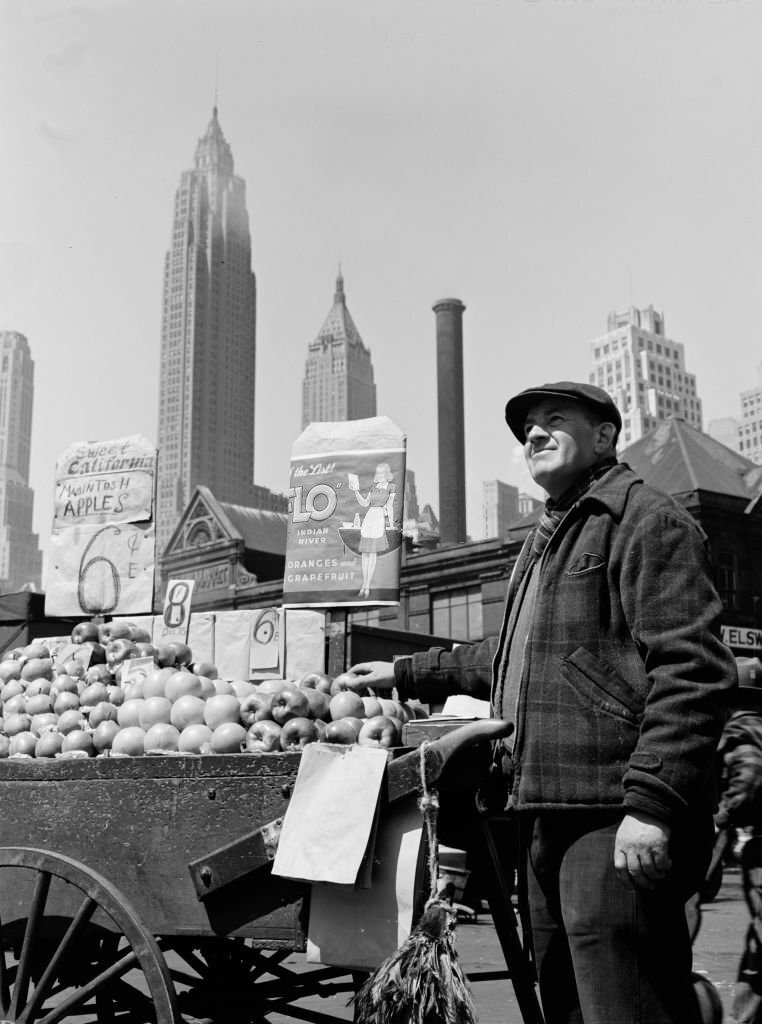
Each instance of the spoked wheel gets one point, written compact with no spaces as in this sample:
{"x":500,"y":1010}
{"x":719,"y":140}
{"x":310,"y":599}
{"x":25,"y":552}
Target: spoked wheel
{"x":226,"y":981}
{"x":72,"y":948}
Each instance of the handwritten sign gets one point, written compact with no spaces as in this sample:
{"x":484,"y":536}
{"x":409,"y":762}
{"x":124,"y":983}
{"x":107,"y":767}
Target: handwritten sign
{"x":175,"y":617}
{"x":105,"y":482}
{"x":344,"y":536}
{"x":103,"y":545}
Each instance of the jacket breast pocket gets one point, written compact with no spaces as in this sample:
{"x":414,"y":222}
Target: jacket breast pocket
{"x":600,"y":687}
{"x":586,"y":563}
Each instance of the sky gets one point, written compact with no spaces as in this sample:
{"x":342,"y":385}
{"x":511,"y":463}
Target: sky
{"x":544,"y":161}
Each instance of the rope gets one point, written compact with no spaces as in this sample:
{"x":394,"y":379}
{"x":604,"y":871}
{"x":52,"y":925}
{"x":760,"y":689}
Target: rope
{"x":429,"y":806}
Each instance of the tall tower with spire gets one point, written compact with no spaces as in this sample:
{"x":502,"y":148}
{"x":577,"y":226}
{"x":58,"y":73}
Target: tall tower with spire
{"x":338,"y":378}
{"x":208,"y":339}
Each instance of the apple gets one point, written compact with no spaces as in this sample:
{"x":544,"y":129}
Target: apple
{"x":14,"y":705}
{"x":223,"y":707}
{"x":187,"y":710}
{"x":43,"y":723}
{"x":297,"y":733}
{"x":23,"y":744}
{"x":84,"y":632}
{"x":13,"y":689}
{"x":346,"y":704}
{"x":36,"y":650}
{"x":319,"y":702}
{"x":145,"y":649}
{"x":380,"y":731}
{"x":155,"y":682}
{"x":182,"y":683}
{"x":389,"y":707}
{"x":78,"y":739}
{"x":228,"y":738}
{"x":289,"y":703}
{"x":263,"y":737}
{"x":119,"y":650}
{"x":372,"y":707}
{"x":39,"y":686}
{"x":104,"y":711}
{"x":37,"y":668}
{"x":344,"y":681}
{"x":129,"y":742}
{"x":218,"y":685}
{"x":9,"y":670}
{"x":73,"y":667}
{"x":115,"y":695}
{"x":153,"y":710}
{"x":38,"y":704}
{"x":99,"y":673}
{"x":255,"y":707}
{"x":65,"y":701}
{"x":343,"y":730}
{"x":139,"y":634}
{"x":103,"y":735}
{"x":128,"y":714}
{"x":195,"y":739}
{"x":316,"y":681}
{"x":68,"y":721}
{"x":205,"y":668}
{"x":48,"y":745}
{"x":161,"y":737}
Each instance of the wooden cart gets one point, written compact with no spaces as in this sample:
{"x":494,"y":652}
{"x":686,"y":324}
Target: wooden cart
{"x":138,"y":889}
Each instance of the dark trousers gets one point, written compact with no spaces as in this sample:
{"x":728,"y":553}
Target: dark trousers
{"x":606,"y":952}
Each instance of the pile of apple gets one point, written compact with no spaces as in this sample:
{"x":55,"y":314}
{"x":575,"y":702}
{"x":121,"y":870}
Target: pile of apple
{"x":79,"y":705}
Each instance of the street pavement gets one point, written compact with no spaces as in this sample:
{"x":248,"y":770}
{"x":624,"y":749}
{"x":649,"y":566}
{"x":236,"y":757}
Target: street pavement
{"x":716,"y":954}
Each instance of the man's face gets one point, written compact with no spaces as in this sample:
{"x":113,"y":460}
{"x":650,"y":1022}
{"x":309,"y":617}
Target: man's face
{"x":561,"y":443}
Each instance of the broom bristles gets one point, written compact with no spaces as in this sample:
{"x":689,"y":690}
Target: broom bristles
{"x":422,"y":982}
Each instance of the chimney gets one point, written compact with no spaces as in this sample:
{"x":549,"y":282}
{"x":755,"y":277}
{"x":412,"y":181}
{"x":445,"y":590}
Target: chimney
{"x":452,"y":468}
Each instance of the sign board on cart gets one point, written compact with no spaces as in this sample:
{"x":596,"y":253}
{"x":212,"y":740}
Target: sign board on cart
{"x":344,"y":537}
{"x":103,"y":543}
{"x":743,"y":637}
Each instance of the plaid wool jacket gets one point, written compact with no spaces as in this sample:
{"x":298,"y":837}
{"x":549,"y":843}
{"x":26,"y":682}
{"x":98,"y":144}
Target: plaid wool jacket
{"x":625,"y":680}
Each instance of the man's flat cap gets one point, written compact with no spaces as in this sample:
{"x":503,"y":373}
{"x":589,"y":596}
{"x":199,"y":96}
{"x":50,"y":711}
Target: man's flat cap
{"x":588,"y":394}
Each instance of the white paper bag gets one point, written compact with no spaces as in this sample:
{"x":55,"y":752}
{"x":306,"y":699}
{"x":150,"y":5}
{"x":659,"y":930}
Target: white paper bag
{"x":331,"y":814}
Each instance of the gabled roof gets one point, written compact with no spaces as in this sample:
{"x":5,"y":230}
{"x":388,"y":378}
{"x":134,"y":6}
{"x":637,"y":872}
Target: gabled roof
{"x":677,"y":458}
{"x":209,"y":521}
{"x":338,"y":326}
{"x":260,"y":530}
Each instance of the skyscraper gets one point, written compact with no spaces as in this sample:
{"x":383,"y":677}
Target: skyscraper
{"x":338,"y":377}
{"x":500,"y":507}
{"x":20,"y":556}
{"x":644,"y":372}
{"x":208,"y":335}
{"x":749,"y":441}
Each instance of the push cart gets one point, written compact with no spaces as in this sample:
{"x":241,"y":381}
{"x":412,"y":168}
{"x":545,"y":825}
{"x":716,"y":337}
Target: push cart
{"x":139,"y":889}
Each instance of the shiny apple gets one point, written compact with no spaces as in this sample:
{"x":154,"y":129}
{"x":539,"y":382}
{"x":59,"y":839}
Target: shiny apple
{"x":343,"y":730}
{"x":85,"y":631}
{"x":319,"y":704}
{"x":380,"y":731}
{"x":346,"y":704}
{"x":256,"y":707}
{"x":289,"y":703}
{"x":263,"y":737}
{"x":316,"y":681}
{"x":297,"y":733}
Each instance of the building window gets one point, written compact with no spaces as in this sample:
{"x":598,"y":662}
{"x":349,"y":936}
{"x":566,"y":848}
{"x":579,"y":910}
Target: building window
{"x":458,"y":614}
{"x":727,"y":579}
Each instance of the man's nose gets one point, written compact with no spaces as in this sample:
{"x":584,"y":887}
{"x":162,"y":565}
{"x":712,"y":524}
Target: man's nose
{"x":535,"y":432}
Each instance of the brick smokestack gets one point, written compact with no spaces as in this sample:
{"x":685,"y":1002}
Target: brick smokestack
{"x":452,"y":461}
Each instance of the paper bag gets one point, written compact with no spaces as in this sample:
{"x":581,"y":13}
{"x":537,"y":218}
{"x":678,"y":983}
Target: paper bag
{"x":305,"y":642}
{"x":330,"y":817}
{"x":359,"y":928}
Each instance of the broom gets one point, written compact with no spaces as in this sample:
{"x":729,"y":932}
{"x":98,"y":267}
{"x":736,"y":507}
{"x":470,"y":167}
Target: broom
{"x":422,"y":982}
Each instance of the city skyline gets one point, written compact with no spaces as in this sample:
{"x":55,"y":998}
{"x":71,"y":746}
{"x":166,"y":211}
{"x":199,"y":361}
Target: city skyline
{"x":544,"y":162}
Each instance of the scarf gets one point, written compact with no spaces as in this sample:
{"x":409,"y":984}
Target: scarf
{"x":555,"y":511}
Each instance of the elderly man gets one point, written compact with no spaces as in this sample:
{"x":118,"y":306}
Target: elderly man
{"x":610,"y":664}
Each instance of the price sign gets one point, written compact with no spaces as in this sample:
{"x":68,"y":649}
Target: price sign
{"x":103,"y":543}
{"x":175,"y":618}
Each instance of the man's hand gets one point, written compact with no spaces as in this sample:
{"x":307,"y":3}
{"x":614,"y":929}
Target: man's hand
{"x":378,"y":675}
{"x":641,"y":851}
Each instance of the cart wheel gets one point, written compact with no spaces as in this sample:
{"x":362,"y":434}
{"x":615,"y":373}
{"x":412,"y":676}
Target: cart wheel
{"x":56,"y":966}
{"x":228,"y":981}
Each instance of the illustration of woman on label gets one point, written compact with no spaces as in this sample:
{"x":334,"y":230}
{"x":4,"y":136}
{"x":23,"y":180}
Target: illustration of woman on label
{"x":379,"y":502}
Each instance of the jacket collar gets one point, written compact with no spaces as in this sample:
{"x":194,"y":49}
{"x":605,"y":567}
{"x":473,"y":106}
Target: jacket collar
{"x":612,"y":489}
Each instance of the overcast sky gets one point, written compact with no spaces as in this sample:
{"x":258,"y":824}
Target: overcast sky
{"x":545,"y":161}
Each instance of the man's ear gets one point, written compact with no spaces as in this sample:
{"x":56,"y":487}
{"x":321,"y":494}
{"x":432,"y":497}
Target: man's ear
{"x":605,"y":437}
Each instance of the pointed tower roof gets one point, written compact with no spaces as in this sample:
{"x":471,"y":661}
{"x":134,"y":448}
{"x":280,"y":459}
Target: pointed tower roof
{"x":339,"y":325}
{"x":213,"y":150}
